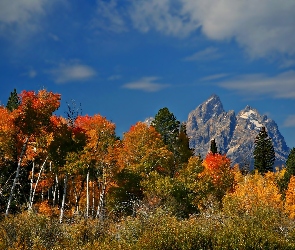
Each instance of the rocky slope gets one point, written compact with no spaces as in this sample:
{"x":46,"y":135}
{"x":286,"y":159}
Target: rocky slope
{"x":234,"y":134}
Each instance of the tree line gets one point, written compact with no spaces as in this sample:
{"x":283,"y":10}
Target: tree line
{"x":76,"y":167}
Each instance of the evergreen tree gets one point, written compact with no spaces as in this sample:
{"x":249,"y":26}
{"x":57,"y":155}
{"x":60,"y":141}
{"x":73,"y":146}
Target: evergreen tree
{"x":167,"y":126}
{"x":264,"y":154}
{"x":173,"y":135}
{"x":13,"y":101}
{"x":185,"y":152}
{"x":290,"y":171}
{"x":213,"y":147}
{"x":290,"y":163}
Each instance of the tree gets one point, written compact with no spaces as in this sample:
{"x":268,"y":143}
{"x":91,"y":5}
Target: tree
{"x":100,"y":137}
{"x":183,"y":149}
{"x":167,"y":126}
{"x":31,"y":119}
{"x":213,"y":147}
{"x":264,"y":154}
{"x":290,"y":163}
{"x":254,"y":192}
{"x":141,"y":152}
{"x":217,"y":167}
{"x":290,"y":198}
{"x":174,"y":136}
{"x":13,"y":101}
{"x":191,"y":187}
{"x":289,"y":171}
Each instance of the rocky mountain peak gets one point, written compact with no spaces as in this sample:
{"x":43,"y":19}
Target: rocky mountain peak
{"x":234,"y":134}
{"x":253,"y":117}
{"x":208,"y":109}
{"x":211,"y":107}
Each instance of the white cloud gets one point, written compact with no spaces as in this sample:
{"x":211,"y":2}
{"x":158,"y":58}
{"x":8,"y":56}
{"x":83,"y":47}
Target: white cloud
{"x":54,"y":37}
{"x":72,"y":72}
{"x":278,"y":86}
{"x":207,"y":54}
{"x":32,"y":73}
{"x":109,"y":17}
{"x":114,"y":77}
{"x":290,"y":121}
{"x":20,"y":11}
{"x":214,"y":77}
{"x":263,"y":28}
{"x":146,"y":84}
{"x":165,"y":16}
{"x":21,"y":17}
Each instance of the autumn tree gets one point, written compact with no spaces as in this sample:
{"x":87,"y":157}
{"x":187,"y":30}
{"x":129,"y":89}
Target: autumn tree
{"x":8,"y":153}
{"x":288,"y":172}
{"x":264,"y":154}
{"x":100,"y":138}
{"x":31,"y":119}
{"x":217,"y":167}
{"x":254,"y":193}
{"x":191,"y":187}
{"x":142,"y":151}
{"x":290,"y":198}
{"x":68,"y":142}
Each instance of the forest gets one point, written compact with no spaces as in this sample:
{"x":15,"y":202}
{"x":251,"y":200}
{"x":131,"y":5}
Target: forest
{"x":69,"y":182}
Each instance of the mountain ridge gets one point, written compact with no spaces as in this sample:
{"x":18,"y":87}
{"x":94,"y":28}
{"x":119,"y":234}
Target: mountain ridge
{"x":234,"y":134}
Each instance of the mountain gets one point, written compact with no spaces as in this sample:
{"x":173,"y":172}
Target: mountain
{"x":234,"y":134}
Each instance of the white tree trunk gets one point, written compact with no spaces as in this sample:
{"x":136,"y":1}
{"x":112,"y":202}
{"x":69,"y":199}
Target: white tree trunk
{"x":54,"y":191}
{"x":16,"y":175}
{"x":93,"y":200}
{"x":76,"y":198}
{"x":63,"y":199}
{"x":31,"y":187}
{"x":87,"y":195}
{"x":39,"y":175}
{"x":100,"y":206}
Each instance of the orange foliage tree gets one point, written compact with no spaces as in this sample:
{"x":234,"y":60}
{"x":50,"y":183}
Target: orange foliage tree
{"x":7,"y":136}
{"x":31,"y":119}
{"x":217,"y":167}
{"x":100,"y":137}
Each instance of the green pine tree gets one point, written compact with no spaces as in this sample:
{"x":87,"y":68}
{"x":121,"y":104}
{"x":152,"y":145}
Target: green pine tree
{"x":264,"y":154}
{"x":185,"y":152}
{"x":13,"y":101}
{"x":213,"y":147}
{"x":174,"y":136}
{"x":167,"y":126}
{"x":290,"y":163}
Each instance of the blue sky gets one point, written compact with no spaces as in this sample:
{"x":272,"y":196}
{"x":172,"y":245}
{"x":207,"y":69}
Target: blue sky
{"x":126,"y":59}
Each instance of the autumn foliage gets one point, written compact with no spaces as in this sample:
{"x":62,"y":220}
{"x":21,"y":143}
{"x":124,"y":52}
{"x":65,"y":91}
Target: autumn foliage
{"x":84,"y":187}
{"x":218,"y":168}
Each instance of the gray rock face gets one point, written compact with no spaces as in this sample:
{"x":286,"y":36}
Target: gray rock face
{"x":234,"y":134}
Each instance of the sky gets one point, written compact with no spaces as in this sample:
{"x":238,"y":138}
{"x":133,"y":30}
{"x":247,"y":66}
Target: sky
{"x":126,"y":59}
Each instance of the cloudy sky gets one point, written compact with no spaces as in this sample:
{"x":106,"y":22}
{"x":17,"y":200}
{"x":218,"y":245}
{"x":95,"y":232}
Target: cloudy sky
{"x":127,"y":59}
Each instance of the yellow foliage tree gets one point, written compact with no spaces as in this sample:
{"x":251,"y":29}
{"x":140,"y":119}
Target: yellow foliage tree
{"x":290,"y":198}
{"x":254,"y":192}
